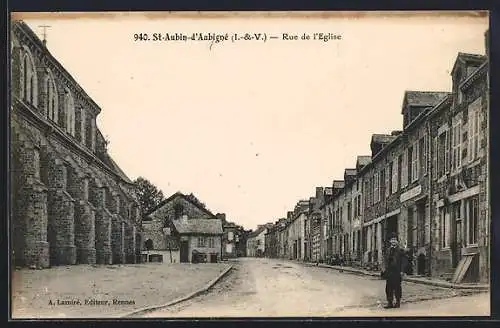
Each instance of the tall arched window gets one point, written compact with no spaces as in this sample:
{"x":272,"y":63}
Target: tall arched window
{"x":29,"y":81}
{"x":69,"y":110}
{"x":51,"y":102}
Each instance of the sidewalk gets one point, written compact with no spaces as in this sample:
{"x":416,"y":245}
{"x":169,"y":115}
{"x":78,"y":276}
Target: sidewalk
{"x":418,"y":280}
{"x":107,"y":291}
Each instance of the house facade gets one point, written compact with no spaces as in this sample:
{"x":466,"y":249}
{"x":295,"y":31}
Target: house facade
{"x":71,"y":203}
{"x":256,"y":241}
{"x":428,"y":182}
{"x":178,"y":223}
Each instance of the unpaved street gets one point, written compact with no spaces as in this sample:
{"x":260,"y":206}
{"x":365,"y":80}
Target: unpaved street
{"x":269,"y":287}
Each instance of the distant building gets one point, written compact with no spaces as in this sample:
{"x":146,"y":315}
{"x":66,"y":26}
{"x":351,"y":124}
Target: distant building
{"x":256,"y":241}
{"x":183,"y":226}
{"x":232,"y":239}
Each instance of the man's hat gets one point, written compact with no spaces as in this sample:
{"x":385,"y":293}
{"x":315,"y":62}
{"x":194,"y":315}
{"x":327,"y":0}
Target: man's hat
{"x":393,"y":235}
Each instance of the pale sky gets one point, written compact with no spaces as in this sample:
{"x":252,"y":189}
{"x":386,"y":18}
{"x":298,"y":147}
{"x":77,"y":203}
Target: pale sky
{"x":253,"y":127}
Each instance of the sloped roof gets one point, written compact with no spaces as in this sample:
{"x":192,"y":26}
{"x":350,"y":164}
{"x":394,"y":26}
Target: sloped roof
{"x":338,"y":184}
{"x":198,"y":226}
{"x":463,"y":57}
{"x":257,"y":232}
{"x":165,"y":201}
{"x":382,"y":138}
{"x":423,"y":98}
{"x":363,"y":160}
{"x":350,"y":172}
{"x":112,"y":164}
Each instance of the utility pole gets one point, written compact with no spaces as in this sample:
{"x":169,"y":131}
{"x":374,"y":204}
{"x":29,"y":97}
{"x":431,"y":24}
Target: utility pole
{"x":44,"y":33}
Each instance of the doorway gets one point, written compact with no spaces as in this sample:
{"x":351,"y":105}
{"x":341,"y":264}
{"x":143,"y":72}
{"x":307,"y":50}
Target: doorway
{"x":184,"y":251}
{"x":456,"y":243}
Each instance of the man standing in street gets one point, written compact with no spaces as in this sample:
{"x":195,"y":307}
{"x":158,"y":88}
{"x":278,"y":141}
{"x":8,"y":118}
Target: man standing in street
{"x":394,"y":270}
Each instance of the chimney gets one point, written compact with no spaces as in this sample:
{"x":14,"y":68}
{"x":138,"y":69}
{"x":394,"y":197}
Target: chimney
{"x":221,"y":216}
{"x":319,"y":192}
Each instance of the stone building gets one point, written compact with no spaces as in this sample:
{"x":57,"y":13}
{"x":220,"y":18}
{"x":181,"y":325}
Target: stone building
{"x":460,"y":183}
{"x":296,"y":241}
{"x":71,"y":203}
{"x":271,"y":241}
{"x":338,"y":227}
{"x":429,"y":183}
{"x":231,"y":240}
{"x":314,"y":230}
{"x":181,"y":223}
{"x":256,"y":241}
{"x":326,"y":208}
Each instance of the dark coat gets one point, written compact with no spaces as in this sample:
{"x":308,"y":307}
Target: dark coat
{"x":396,"y":263}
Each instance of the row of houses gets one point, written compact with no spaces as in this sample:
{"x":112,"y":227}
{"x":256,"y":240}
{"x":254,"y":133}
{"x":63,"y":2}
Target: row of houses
{"x":428,"y":182}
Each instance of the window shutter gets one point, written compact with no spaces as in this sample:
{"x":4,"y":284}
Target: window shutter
{"x":424,"y":155}
{"x":470,"y":133}
{"x":434,"y":158}
{"x":447,"y":152}
{"x":387,"y":180}
{"x":404,"y":169}
{"x":417,"y":158}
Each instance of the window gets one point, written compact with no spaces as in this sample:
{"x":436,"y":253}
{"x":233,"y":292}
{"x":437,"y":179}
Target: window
{"x":404,"y":169}
{"x":230,"y":235}
{"x":83,"y":125}
{"x":51,"y":102}
{"x":472,"y":220}
{"x":421,"y":155}
{"x":211,"y":242}
{"x":388,"y":176}
{"x":381,"y":185}
{"x":355,"y":207}
{"x":376,"y":188}
{"x":473,"y":130}
{"x":445,"y":227}
{"x":456,"y":141}
{"x":28,"y":79}
{"x":442,"y":153}
{"x":359,"y":205}
{"x":395,"y":176}
{"x":202,"y":242}
{"x":349,"y":213}
{"x":69,"y":111}
{"x":426,"y":155}
{"x":414,"y":162}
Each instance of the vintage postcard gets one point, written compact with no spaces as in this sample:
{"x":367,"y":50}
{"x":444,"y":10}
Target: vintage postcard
{"x":249,"y":164}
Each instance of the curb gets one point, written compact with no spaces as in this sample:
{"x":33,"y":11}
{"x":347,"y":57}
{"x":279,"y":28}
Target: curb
{"x":409,"y":279}
{"x":181,"y":299}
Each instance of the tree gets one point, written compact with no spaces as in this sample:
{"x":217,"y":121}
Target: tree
{"x":149,"y":195}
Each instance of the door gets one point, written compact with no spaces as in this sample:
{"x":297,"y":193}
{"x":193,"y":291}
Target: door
{"x":456,"y":242}
{"x":184,"y":251}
